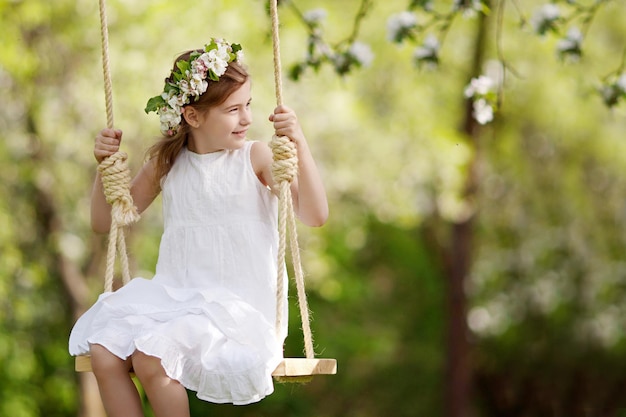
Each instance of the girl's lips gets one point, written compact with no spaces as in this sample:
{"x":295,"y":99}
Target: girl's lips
{"x":241,"y":133}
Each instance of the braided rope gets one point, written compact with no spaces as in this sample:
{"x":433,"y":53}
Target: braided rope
{"x":108,"y":89}
{"x":115,"y":176}
{"x":284,"y":170}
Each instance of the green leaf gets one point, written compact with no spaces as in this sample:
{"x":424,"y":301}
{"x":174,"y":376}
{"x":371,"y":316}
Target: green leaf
{"x":296,"y":71}
{"x":154,"y":104}
{"x":211,"y":75}
{"x":183,"y":66}
{"x":210,"y":46}
{"x":484,"y":8}
{"x":171,"y":87}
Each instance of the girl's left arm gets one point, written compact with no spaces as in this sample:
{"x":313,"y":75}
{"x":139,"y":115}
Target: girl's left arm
{"x":307,"y":190}
{"x":309,"y":195}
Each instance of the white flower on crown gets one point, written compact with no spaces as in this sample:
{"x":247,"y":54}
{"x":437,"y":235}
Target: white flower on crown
{"x":190,"y":79}
{"x":198,"y":84}
{"x":216,"y":62}
{"x":174,"y":100}
{"x":200,"y":65}
{"x":169,"y":118}
{"x":186,"y":90}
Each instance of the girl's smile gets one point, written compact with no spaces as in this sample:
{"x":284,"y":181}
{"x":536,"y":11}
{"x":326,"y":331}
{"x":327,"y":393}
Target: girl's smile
{"x":241,"y":133}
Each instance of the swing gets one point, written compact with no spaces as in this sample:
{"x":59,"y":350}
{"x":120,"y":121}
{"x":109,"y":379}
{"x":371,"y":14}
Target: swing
{"x":116,"y":183}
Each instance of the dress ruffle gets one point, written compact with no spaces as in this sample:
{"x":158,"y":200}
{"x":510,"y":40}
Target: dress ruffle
{"x":239,"y":347}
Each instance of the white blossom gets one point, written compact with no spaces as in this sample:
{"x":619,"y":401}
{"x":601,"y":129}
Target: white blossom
{"x":483,"y":112}
{"x":315,"y":16}
{"x":479,"y":86}
{"x":199,"y":66}
{"x":174,"y":100}
{"x":572,"y":42}
{"x":545,"y":17}
{"x":431,"y":42}
{"x":217,"y":61}
{"x":169,"y":118}
{"x":468,"y":10}
{"x":223,"y":52}
{"x":428,"y":5}
{"x":399,"y":24}
{"x":621,"y":82}
{"x":362,"y":53}
{"x":428,"y":49}
{"x":481,"y":90}
{"x":608,"y":94}
{"x":548,"y":11}
{"x":185,"y":89}
{"x":198,"y":84}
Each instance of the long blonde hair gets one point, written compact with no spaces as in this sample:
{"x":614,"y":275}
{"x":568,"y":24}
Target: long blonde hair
{"x":165,"y":151}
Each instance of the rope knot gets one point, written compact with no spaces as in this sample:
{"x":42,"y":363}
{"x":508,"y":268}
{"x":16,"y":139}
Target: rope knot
{"x":285,"y":165}
{"x":116,"y":183}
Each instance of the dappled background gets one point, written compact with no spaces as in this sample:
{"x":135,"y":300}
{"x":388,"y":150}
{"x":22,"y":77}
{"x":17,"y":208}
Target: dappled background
{"x":473,"y":263}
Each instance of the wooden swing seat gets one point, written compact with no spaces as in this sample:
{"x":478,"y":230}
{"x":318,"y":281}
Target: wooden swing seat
{"x":289,"y":370}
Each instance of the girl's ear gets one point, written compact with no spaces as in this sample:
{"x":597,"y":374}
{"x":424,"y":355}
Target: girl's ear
{"x":192,"y":116}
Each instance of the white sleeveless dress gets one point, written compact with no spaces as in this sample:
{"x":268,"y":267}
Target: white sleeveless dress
{"x":209,"y":312}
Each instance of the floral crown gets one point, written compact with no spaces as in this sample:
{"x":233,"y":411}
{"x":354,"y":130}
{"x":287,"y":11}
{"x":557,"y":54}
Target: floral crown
{"x":189,"y":79}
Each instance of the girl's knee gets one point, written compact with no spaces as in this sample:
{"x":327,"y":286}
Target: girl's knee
{"x":147,"y":367}
{"x":103,"y":362}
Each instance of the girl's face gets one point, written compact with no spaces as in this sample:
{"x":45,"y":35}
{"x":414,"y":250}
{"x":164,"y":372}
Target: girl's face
{"x":225,"y":126}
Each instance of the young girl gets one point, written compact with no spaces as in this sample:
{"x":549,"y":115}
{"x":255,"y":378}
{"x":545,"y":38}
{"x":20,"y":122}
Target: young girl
{"x":206,"y":320}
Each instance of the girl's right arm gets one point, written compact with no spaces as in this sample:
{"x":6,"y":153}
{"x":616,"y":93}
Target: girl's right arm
{"x":143,"y":189}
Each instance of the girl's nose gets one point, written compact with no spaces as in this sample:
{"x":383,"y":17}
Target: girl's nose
{"x":246,"y":118}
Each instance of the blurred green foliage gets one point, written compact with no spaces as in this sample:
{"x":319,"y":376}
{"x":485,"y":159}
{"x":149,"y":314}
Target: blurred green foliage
{"x":547,"y":287}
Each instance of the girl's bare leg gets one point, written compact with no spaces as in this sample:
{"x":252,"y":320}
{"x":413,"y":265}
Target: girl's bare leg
{"x":167,"y":397}
{"x":117,"y":389}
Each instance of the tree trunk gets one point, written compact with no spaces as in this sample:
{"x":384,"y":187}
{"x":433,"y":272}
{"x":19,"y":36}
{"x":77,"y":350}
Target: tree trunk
{"x":459,"y":261}
{"x":73,"y":280}
{"x":458,"y":373}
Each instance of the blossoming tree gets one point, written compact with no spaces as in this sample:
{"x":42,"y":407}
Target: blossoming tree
{"x":426,"y":24}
